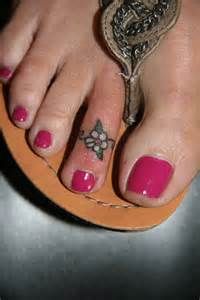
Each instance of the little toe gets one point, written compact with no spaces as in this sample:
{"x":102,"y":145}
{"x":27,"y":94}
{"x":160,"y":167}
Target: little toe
{"x":86,"y":168}
{"x":16,"y":38}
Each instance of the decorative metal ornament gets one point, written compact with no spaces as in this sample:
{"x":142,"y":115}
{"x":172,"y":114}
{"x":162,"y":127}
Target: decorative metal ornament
{"x":132,"y":30}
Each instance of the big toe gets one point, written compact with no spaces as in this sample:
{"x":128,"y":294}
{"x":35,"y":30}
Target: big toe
{"x":162,"y":156}
{"x":159,"y":160}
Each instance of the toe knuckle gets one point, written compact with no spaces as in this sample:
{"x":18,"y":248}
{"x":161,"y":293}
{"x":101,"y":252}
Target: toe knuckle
{"x":23,"y":90}
{"x":62,"y":113}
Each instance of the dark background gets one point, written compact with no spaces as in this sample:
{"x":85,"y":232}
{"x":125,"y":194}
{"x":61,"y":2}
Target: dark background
{"x":46,"y":254}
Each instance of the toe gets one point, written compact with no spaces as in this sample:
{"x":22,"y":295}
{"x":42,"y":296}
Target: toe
{"x":85,"y":170}
{"x":32,"y":79}
{"x":162,"y":156}
{"x":159,"y":160}
{"x":16,"y":39}
{"x":54,"y":120}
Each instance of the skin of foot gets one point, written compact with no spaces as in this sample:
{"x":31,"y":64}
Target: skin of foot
{"x":52,"y":57}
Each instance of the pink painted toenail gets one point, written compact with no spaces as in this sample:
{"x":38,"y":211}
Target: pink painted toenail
{"x":20,"y":114}
{"x":43,"y":139}
{"x":5,"y":73}
{"x":150,"y":176}
{"x":82,"y":181}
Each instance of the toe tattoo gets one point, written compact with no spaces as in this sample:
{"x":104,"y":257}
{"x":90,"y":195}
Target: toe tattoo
{"x":97,"y":140}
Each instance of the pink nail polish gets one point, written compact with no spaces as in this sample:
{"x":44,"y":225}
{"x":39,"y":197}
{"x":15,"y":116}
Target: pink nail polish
{"x":150,"y":176}
{"x":82,"y":181}
{"x":20,"y":114}
{"x":5,"y":73}
{"x":43,"y":139}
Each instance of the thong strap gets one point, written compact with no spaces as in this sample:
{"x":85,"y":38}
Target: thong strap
{"x":132,"y":30}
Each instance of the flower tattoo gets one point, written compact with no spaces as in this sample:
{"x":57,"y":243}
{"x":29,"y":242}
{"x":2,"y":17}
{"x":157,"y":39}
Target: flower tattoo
{"x":97,"y":140}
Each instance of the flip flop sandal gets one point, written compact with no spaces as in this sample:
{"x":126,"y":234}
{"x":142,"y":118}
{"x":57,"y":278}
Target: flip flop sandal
{"x":103,"y":208}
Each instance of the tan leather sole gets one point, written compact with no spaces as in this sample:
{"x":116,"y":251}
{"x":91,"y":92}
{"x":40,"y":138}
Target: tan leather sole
{"x":103,"y":208}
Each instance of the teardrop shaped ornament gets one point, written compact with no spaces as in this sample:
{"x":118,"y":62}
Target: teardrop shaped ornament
{"x":132,"y":30}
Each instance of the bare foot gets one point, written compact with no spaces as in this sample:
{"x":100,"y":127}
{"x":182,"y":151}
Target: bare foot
{"x":55,"y":39}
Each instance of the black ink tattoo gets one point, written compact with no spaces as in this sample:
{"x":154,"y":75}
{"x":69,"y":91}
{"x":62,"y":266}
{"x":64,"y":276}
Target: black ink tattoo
{"x":97,"y":140}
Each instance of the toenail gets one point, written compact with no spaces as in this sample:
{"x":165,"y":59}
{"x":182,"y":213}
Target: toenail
{"x":20,"y":114}
{"x":43,"y":139}
{"x":150,"y":176}
{"x":82,"y":181}
{"x":5,"y":73}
